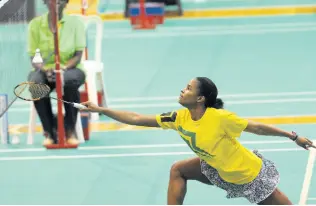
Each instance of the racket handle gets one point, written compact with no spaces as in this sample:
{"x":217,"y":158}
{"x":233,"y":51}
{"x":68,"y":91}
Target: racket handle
{"x":79,"y":106}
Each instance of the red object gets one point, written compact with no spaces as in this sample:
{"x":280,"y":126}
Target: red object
{"x":84,"y":97}
{"x":85,"y":125}
{"x":134,"y":20}
{"x":83,"y":12}
{"x":60,"y":117}
{"x":86,"y":134}
{"x":145,"y":22}
{"x":60,"y":146}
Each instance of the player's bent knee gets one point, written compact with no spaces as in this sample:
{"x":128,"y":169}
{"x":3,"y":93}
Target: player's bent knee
{"x":175,"y":170}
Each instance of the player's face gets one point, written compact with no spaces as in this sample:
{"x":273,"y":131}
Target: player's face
{"x":189,"y":96}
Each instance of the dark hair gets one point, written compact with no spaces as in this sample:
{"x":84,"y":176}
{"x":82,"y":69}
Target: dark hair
{"x":209,"y":90}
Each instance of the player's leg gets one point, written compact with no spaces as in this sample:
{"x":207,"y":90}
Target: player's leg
{"x":44,"y":108}
{"x":276,"y":198}
{"x":180,"y":172}
{"x":73,"y":79}
{"x":263,"y":190}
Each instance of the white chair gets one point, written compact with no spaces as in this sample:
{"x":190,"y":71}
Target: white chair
{"x":94,"y":69}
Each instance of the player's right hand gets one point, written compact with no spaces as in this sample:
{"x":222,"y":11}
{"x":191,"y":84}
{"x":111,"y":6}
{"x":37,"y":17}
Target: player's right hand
{"x":91,"y":107}
{"x":305,"y":143}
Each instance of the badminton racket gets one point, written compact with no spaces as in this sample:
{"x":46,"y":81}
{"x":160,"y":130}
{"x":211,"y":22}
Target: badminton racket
{"x":31,"y":91}
{"x":11,"y":103}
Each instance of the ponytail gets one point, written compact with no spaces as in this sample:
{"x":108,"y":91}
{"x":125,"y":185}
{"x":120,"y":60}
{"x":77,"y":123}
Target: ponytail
{"x":219,"y":104}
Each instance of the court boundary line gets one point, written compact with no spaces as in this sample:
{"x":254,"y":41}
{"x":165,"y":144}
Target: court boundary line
{"x":227,"y":102}
{"x":241,"y":95}
{"x":140,"y":146}
{"x":98,"y":156}
{"x":211,"y":33}
{"x":308,"y":176}
{"x":221,"y":28}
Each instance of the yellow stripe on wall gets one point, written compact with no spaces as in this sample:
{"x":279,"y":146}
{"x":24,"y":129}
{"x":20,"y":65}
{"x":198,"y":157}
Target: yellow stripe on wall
{"x":218,"y":13}
{"x":107,"y":126}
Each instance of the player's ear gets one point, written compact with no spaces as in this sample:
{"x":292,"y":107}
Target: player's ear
{"x":200,"y":99}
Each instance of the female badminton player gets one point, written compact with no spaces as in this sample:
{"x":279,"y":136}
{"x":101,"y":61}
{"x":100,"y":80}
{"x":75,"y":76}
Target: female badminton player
{"x":212,"y":132}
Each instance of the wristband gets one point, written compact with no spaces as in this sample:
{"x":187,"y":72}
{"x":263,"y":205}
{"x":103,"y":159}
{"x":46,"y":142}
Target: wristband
{"x":296,"y":136}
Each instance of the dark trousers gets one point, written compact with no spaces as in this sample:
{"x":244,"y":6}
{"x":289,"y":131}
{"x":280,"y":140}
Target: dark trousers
{"x":73,"y":79}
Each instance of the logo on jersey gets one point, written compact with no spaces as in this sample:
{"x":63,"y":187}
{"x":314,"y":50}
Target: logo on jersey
{"x":168,"y":117}
{"x":192,"y":142}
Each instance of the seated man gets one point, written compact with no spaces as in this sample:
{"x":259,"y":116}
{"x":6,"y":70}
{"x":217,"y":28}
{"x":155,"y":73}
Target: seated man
{"x":71,"y":45}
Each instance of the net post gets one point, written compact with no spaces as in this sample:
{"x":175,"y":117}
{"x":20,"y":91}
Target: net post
{"x":84,"y":7}
{"x":61,"y":130}
{"x":60,"y":117}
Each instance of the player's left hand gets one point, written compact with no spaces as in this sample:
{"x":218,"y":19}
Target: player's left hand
{"x":305,"y":143}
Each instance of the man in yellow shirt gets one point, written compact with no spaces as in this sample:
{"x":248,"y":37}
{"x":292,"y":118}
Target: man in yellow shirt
{"x":212,"y":132}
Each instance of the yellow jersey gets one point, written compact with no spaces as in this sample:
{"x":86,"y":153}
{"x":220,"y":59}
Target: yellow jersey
{"x":214,"y":139}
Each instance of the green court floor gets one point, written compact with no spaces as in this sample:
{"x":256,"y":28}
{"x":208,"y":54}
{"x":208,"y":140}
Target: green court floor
{"x":129,"y":167}
{"x":263,"y":66}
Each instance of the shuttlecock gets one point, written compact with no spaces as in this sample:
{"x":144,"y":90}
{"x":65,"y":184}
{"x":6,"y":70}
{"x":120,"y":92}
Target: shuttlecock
{"x":15,"y":140}
{"x":37,"y":57}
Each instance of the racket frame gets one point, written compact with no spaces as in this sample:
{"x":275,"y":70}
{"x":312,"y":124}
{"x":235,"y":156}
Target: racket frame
{"x":36,"y":99}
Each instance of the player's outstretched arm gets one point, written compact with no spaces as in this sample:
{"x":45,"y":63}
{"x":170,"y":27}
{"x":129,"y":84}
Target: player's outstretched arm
{"x":125,"y":117}
{"x":263,"y":129}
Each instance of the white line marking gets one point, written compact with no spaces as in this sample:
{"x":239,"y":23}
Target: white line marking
{"x":238,"y":102}
{"x":312,"y":198}
{"x":88,"y":148}
{"x":12,"y":150}
{"x":161,"y":105}
{"x":268,"y":94}
{"x":241,"y":102}
{"x":217,"y":27}
{"x":308,"y":177}
{"x":208,"y":33}
{"x":154,"y":128}
{"x":271,"y":101}
{"x":236,"y":26}
{"x":55,"y":157}
{"x":225,"y":96}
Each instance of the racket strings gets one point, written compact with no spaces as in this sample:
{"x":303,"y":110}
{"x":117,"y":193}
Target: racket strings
{"x":38,"y":90}
{"x":31,"y":91}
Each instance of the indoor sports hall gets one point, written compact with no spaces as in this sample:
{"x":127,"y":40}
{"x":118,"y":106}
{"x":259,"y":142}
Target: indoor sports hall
{"x":261,"y":54}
